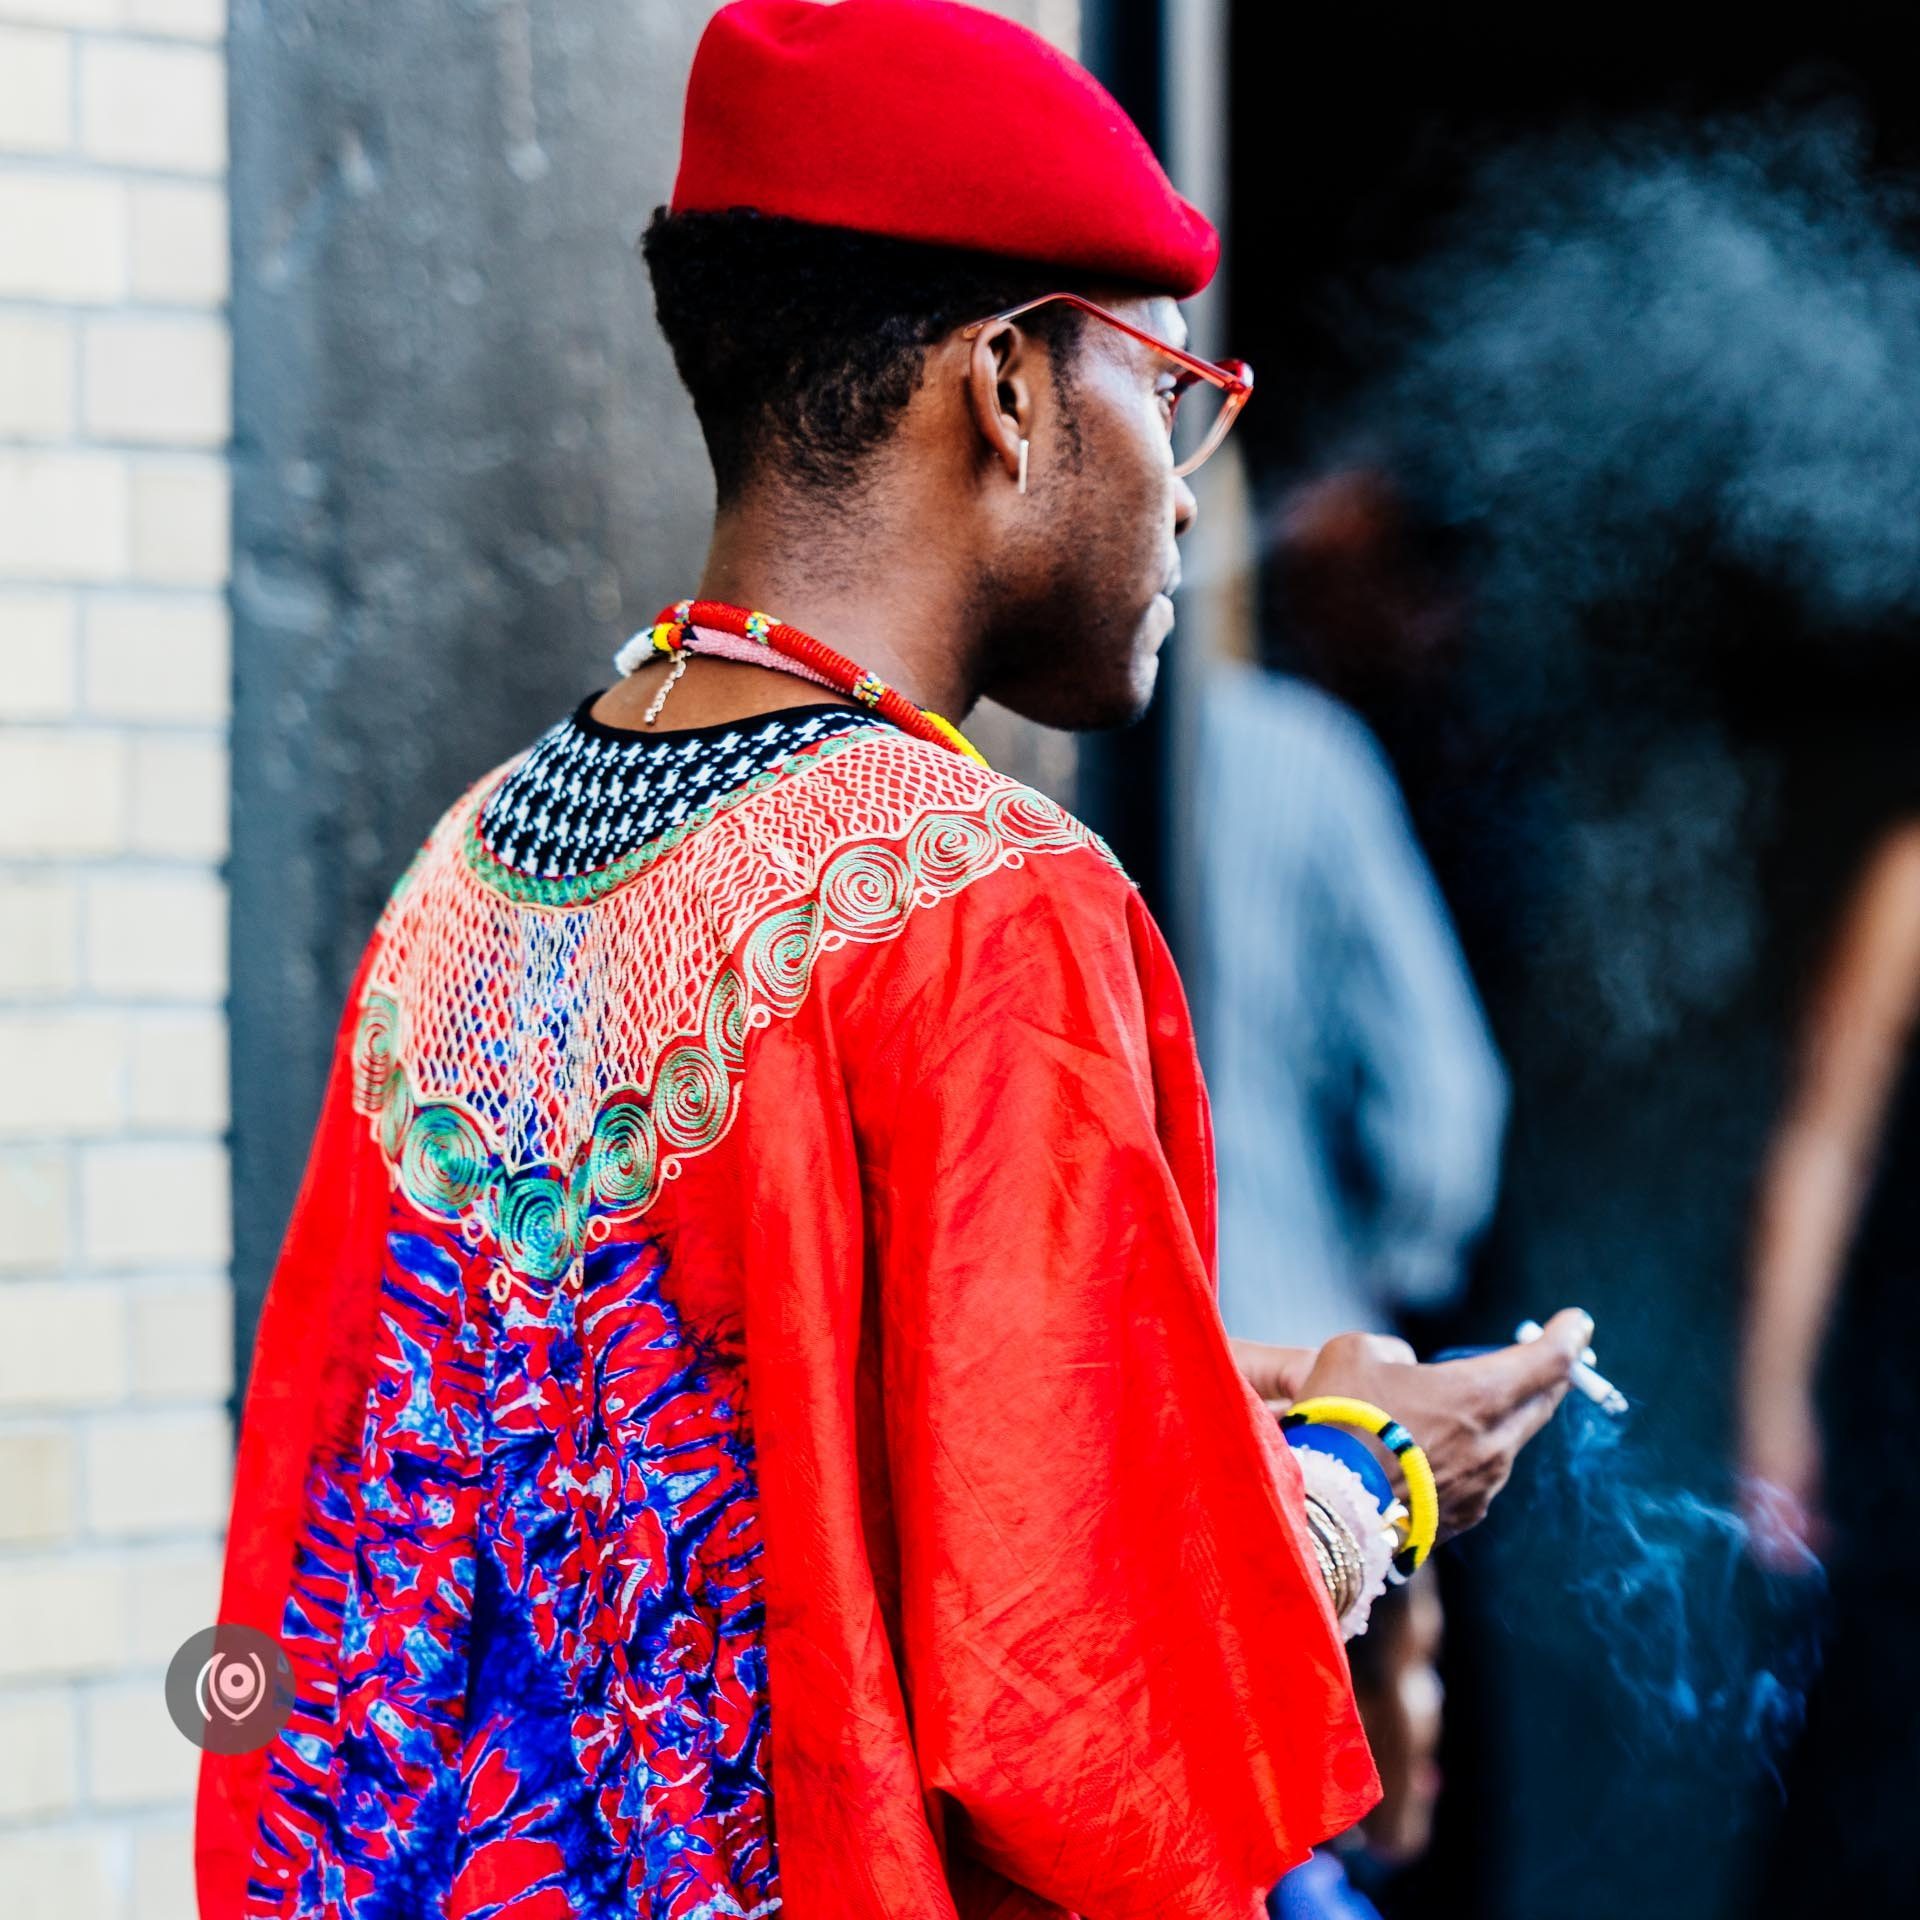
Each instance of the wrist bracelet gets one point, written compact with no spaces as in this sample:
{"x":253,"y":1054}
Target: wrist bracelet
{"x":1352,"y":1540}
{"x":1351,"y":1451}
{"x":1423,"y":1498}
{"x":1329,"y":1574}
{"x":1340,"y":1560}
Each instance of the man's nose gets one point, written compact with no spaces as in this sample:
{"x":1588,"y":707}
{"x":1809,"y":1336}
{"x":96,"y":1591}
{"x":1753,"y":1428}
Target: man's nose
{"x":1185,"y":506}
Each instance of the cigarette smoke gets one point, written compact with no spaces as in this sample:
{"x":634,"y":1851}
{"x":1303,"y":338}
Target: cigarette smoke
{"x":1633,"y":338}
{"x":1713,"y":1652}
{"x":1641,"y":365}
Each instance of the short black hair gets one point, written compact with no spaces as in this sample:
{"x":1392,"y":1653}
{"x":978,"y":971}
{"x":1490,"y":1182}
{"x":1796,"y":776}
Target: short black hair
{"x":807,"y":342}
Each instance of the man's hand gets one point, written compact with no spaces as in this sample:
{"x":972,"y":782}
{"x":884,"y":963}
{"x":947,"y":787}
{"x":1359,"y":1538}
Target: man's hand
{"x":1471,"y":1417}
{"x":1276,"y":1374}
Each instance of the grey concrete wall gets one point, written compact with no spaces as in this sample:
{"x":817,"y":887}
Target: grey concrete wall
{"x":464,"y":468}
{"x":462,"y":461}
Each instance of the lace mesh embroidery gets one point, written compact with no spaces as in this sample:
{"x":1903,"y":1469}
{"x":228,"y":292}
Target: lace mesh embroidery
{"x":537,"y":1057}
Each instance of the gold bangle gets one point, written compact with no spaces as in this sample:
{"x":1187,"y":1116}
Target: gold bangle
{"x":1331,"y":1576}
{"x":1347,"y":1549}
{"x":1335,"y":1541}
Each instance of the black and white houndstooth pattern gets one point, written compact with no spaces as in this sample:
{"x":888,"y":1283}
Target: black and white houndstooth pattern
{"x":586,"y":793}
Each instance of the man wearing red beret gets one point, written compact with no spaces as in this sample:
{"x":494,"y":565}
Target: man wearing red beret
{"x":740,"y":1422}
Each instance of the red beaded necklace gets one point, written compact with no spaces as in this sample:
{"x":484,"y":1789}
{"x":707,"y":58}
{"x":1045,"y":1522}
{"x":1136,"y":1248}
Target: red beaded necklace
{"x":705,"y":626}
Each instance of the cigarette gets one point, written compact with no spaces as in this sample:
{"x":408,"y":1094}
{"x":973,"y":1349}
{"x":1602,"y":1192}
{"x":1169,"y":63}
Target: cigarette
{"x":1595,"y":1385}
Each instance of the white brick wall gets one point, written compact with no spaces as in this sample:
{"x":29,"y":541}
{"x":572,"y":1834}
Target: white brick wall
{"x":117,"y":1360}
{"x":36,"y":89}
{"x":39,"y":647}
{"x":36,"y":368}
{"x":68,"y":234}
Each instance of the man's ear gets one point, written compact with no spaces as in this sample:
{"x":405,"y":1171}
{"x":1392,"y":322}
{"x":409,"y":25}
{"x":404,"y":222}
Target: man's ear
{"x":1000,"y":381}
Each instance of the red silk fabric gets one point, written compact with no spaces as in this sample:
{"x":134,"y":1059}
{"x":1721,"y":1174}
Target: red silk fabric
{"x":1043,"y":1632}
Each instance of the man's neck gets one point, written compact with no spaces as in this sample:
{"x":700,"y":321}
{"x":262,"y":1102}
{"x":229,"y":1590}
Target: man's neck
{"x":875,"y":582}
{"x":865,"y":586}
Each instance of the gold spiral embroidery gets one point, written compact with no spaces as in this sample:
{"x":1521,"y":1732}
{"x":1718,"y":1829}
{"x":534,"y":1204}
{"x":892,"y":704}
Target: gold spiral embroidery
{"x":620,"y":1165}
{"x":866,"y":892}
{"x":376,"y":1046}
{"x":949,"y":849}
{"x":535,"y":1222}
{"x":779,"y":956}
{"x":1031,"y":821}
{"x":444,"y":1162}
{"x":690,"y":1099}
{"x":727,"y":1018}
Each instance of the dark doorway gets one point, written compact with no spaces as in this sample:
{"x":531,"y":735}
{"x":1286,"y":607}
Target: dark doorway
{"x":1778,"y":731}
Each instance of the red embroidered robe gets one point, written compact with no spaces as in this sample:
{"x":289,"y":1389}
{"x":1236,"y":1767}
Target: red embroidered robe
{"x":740,"y":1422}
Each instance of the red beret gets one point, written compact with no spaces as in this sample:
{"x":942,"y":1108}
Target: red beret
{"x":925,"y":120}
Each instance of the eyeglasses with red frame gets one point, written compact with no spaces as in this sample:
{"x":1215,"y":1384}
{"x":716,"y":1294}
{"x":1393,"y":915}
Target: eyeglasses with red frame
{"x":1231,"y":379}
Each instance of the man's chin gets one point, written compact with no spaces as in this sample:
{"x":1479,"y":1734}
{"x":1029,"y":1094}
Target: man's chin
{"x":1119,"y":707}
{"x":1097,"y":701}
{"x":1155,"y":624}
{"x":1083,"y":710}
{"x":1146,"y":677}
{"x":1144,"y":663}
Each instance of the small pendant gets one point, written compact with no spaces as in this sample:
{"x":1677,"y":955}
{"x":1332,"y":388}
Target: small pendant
{"x":659,"y":700}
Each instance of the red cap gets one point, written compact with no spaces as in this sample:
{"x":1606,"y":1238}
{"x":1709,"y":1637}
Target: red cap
{"x":925,"y":120}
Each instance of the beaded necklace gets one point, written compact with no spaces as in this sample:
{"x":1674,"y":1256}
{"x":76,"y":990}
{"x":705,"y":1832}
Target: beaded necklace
{"x":732,"y":633}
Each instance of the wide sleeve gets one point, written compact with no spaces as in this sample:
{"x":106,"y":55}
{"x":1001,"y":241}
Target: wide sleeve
{"x":1125,"y":1685}
{"x":305,"y":1392}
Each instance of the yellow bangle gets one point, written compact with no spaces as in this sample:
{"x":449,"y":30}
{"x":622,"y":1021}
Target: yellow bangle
{"x":1423,"y":1497}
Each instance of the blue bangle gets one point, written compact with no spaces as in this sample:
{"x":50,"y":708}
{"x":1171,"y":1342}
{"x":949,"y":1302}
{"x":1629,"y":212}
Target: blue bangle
{"x":1351,"y":1451}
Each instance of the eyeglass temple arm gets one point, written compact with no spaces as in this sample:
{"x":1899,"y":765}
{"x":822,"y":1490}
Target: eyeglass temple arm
{"x":1227,"y":374}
